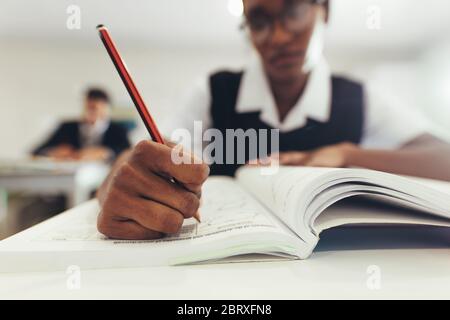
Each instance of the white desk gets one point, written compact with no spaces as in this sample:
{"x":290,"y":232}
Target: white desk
{"x":75,"y":180}
{"x":419,"y":268}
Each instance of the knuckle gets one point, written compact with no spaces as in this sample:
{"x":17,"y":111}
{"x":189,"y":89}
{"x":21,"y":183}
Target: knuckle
{"x":141,"y":150}
{"x":142,"y":146}
{"x":109,"y":203}
{"x":130,"y":179}
{"x":195,"y":188}
{"x":116,"y":201}
{"x":125,"y":172}
{"x":200,"y":173}
{"x":150,"y":154}
{"x":161,"y":160}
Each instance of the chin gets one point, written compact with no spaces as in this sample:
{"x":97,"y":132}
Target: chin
{"x":287,"y":72}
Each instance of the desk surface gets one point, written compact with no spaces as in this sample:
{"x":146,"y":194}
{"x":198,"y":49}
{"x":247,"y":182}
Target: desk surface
{"x":343,"y":274}
{"x":75,"y":179}
{"x":411,"y":263}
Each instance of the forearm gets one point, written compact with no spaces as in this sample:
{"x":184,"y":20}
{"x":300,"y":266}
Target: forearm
{"x":432,"y":162}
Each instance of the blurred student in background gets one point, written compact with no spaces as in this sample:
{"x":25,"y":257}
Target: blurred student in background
{"x":94,"y":138}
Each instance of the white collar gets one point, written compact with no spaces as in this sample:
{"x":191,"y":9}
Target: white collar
{"x":98,"y":128}
{"x":315,"y":103}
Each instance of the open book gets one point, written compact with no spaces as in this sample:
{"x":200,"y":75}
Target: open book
{"x":280,"y":215}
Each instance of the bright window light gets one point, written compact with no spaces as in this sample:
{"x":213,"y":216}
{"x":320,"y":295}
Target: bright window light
{"x":235,"y":7}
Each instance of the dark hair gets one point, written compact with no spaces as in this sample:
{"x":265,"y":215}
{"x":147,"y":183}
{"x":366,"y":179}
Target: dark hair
{"x":97,"y":94}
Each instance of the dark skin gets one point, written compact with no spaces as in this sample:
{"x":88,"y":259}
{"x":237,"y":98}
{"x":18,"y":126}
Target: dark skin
{"x":138,"y":201}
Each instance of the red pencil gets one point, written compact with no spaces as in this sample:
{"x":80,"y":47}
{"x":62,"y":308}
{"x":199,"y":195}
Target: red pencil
{"x":131,"y":88}
{"x":129,"y":84}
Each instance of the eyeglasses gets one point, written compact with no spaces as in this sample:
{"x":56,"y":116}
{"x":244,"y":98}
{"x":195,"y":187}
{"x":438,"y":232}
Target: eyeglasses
{"x":294,"y":18}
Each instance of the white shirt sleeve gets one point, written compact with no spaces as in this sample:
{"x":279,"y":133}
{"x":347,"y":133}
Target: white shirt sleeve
{"x":389,"y":124}
{"x":192,"y":117}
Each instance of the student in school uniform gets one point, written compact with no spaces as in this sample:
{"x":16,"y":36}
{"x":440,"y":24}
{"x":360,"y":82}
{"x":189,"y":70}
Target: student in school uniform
{"x":94,"y":137}
{"x":324,"y":120}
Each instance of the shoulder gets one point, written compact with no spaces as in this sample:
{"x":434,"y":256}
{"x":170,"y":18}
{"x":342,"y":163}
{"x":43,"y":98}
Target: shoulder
{"x":68,"y":126}
{"x":345,"y":86}
{"x":225,"y":84}
{"x":116,"y":127}
{"x":211,"y":86}
{"x":225,"y":75}
{"x":348,"y":99}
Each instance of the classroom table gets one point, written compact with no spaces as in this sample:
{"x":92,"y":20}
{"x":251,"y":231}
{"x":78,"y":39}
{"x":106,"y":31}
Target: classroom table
{"x":358,"y":263}
{"x":76,"y":180}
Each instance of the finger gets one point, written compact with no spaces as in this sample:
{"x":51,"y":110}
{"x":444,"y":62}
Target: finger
{"x":320,"y":161}
{"x":254,"y":163}
{"x":313,"y":163}
{"x":315,"y":160}
{"x":149,"y":214}
{"x":160,"y":159}
{"x":293,"y":158}
{"x":155,"y":216}
{"x":140,"y":183}
{"x":273,"y":159}
{"x":285,"y":156}
{"x":262,"y":162}
{"x":194,"y":188}
{"x":126,"y":230}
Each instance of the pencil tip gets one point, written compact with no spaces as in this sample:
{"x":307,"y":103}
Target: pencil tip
{"x":100,"y":26}
{"x":197,"y":217}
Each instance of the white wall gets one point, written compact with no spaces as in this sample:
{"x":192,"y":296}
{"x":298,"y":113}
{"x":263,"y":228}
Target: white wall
{"x":435,"y":82}
{"x":40,"y":84}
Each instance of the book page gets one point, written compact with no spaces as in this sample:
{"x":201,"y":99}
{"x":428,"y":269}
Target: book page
{"x":298,"y":195}
{"x":374,"y":210}
{"x":284,"y":191}
{"x":226,"y":209}
{"x":233,"y":223}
